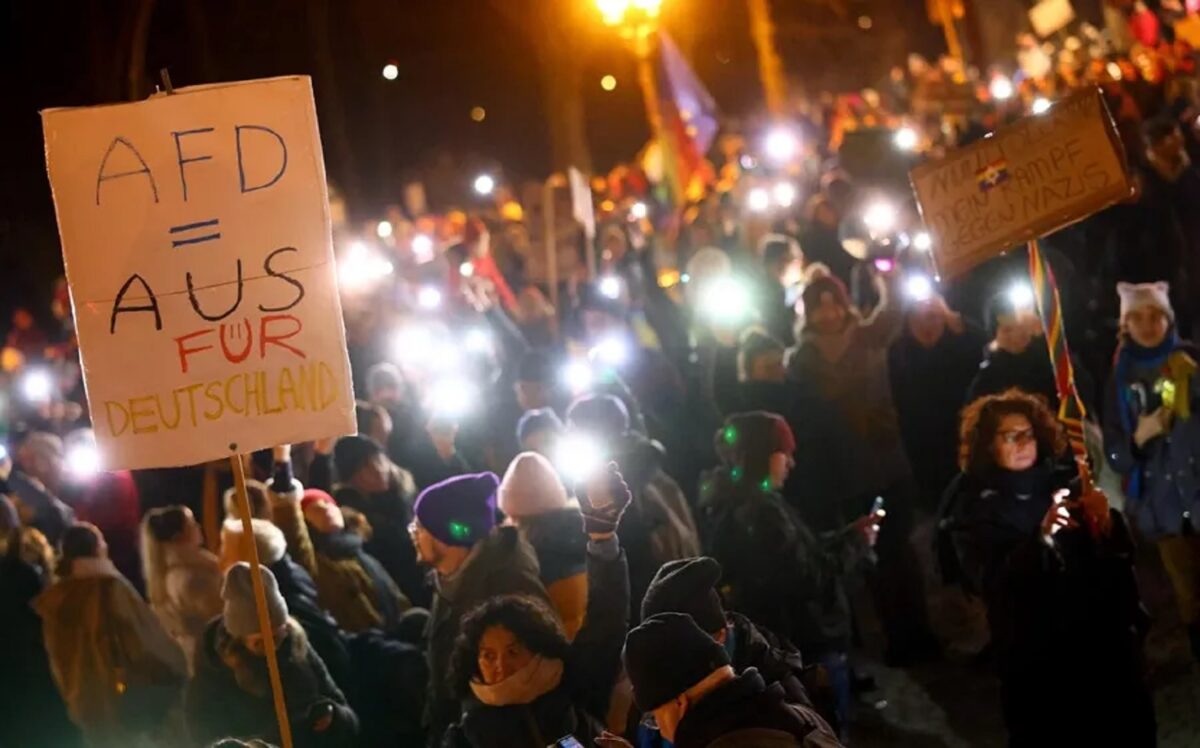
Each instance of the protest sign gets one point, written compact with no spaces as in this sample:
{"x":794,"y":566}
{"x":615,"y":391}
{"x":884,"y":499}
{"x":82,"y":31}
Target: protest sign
{"x":196,"y":237}
{"x":1033,"y":177}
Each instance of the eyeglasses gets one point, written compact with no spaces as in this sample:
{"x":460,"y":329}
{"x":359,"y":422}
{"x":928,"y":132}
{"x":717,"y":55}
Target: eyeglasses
{"x":1018,"y":437}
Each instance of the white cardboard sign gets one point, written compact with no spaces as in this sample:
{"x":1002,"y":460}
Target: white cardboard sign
{"x":196,"y":237}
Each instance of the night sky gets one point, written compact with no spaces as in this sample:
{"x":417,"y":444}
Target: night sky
{"x":452,"y":55}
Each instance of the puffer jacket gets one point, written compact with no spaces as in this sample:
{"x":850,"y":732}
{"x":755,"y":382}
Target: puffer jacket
{"x":561,"y":547}
{"x":191,"y":595}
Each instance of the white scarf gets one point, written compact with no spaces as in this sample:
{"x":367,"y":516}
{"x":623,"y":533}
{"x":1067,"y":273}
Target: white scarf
{"x":538,"y":678}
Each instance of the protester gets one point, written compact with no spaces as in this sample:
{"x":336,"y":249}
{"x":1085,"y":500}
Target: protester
{"x":1152,"y":437}
{"x":1016,"y":357}
{"x":538,"y":429}
{"x":183,"y":579}
{"x":521,"y":677}
{"x":353,"y":586}
{"x":455,"y":534}
{"x":684,"y":678}
{"x":534,"y":499}
{"x":1050,"y":569}
{"x":231,"y":695}
{"x":118,"y":669}
{"x":37,"y":471}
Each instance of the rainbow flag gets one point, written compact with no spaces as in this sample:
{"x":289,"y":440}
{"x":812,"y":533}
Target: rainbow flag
{"x":1071,"y":411}
{"x":688,"y":124}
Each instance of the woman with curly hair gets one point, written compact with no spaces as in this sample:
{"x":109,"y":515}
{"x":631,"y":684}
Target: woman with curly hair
{"x":520,"y":681}
{"x":1055,"y":571}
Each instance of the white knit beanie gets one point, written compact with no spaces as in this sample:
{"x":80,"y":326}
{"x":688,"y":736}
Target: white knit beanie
{"x":531,"y":486}
{"x":1138,"y":295}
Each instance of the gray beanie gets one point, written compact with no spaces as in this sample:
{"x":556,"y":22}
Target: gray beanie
{"x":241,"y":619}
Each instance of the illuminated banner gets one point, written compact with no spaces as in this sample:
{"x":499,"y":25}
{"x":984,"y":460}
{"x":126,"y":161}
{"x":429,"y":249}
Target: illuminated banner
{"x":195,"y":232}
{"x":1030,"y":178}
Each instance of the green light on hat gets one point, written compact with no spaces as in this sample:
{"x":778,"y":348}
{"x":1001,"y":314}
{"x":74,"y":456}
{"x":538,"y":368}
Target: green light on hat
{"x":765,"y":485}
{"x":736,"y":474}
{"x":459,"y":531}
{"x":730,"y":435}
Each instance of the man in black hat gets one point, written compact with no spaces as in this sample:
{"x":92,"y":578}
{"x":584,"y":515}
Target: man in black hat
{"x":683,"y":676}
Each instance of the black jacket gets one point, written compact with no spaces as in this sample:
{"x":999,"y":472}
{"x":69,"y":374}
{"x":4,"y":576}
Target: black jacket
{"x":775,"y":570}
{"x":1066,"y":621}
{"x":300,"y":593}
{"x":774,"y":658}
{"x":746,"y":712}
{"x":390,"y":514}
{"x":216,"y":706}
{"x":1029,"y":371}
{"x":577,"y":706}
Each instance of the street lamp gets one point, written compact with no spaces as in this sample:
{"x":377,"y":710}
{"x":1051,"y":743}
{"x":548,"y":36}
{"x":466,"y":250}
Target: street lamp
{"x":391,"y":71}
{"x":637,"y":22}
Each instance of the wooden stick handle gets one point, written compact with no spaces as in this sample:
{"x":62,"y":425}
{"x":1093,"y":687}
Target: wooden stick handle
{"x":260,"y":601}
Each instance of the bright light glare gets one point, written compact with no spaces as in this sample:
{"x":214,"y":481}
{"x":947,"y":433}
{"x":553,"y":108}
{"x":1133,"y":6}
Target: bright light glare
{"x":422,"y":248}
{"x":1001,"y":88}
{"x":880,"y":217}
{"x":445,"y":356}
{"x":610,"y":287}
{"x":1113,"y":70}
{"x":83,"y":460}
{"x":484,"y":184}
{"x":725,"y":300}
{"x":466,"y":270}
{"x":785,"y":194}
{"x":429,"y":297}
{"x":906,"y":139}
{"x":1040,"y":105}
{"x":452,"y":398}
{"x":360,"y":268}
{"x":1020,"y":295}
{"x":611,"y":351}
{"x":391,"y":71}
{"x":608,"y":82}
{"x":885,"y":264}
{"x":412,"y":343}
{"x":923,"y":241}
{"x":36,"y":386}
{"x":918,"y":288}
{"x":383,"y":229}
{"x":478,"y":340}
{"x":638,"y":210}
{"x":578,"y":457}
{"x":578,"y":376}
{"x":781,"y":145}
{"x":759,"y":200}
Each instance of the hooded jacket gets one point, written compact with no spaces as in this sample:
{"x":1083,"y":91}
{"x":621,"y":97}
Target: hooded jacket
{"x":747,"y":713}
{"x":118,"y":669}
{"x":218,"y":705}
{"x":500,"y":564}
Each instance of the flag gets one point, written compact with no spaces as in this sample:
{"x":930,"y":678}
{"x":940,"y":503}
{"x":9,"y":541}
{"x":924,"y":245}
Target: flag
{"x":1071,"y":411}
{"x":992,"y":175}
{"x":687,"y":124}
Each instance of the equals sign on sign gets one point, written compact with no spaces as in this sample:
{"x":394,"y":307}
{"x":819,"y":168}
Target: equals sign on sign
{"x":194,"y":233}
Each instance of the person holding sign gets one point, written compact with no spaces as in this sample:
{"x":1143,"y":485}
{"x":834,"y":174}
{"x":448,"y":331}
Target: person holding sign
{"x":1152,"y":437}
{"x":1056,"y":576}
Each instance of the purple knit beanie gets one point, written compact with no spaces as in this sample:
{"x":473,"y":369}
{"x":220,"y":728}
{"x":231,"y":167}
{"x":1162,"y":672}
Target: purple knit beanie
{"x":461,"y":510}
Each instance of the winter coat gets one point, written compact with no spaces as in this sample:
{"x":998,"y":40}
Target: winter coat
{"x":1066,"y":620}
{"x":577,"y":705}
{"x":1028,"y":371}
{"x":191,"y":595}
{"x":118,"y":669}
{"x":390,"y":514}
{"x":32,"y":712}
{"x":657,"y":527}
{"x":929,"y":386}
{"x":500,"y":564}
{"x":775,"y":571}
{"x":353,"y":586}
{"x":218,"y":705}
{"x":561,"y":547}
{"x":856,"y":381}
{"x":39,"y":508}
{"x":1162,"y":479}
{"x":747,"y":713}
{"x":775,"y":659}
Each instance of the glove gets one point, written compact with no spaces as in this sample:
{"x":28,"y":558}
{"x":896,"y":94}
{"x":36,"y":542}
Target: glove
{"x":602,"y":501}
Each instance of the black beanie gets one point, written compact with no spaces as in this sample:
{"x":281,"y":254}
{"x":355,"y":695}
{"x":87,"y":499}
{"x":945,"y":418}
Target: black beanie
{"x":688,"y":585}
{"x":351,"y":453}
{"x":667,"y":655}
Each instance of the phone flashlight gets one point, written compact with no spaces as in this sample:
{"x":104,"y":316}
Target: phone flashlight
{"x":578,"y":457}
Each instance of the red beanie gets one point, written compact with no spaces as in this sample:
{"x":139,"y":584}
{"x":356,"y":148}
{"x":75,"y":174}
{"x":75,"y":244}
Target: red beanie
{"x":749,"y":439}
{"x":315,"y":496}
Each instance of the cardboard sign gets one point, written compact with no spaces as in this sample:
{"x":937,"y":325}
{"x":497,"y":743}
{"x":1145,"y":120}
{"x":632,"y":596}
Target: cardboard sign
{"x":1033,"y":177}
{"x":196,"y":237}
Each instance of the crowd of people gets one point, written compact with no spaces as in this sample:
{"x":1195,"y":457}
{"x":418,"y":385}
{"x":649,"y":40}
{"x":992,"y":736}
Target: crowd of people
{"x":638,"y":518}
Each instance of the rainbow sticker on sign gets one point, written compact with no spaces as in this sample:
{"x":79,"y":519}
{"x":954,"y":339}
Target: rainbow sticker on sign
{"x":992,"y":175}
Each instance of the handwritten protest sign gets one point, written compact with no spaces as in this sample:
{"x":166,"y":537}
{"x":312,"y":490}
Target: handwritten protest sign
{"x":1028,"y":179}
{"x":195,"y":232}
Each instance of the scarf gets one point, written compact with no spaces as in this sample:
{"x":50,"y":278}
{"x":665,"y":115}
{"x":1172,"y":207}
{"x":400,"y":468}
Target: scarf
{"x":538,"y":678}
{"x":339,"y":545}
{"x":1174,"y":365}
{"x":1015,"y":500}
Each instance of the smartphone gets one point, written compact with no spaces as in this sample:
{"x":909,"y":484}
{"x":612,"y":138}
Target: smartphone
{"x":569,"y":741}
{"x":877,"y":507}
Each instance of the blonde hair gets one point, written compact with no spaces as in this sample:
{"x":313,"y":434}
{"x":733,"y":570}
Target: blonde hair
{"x":160,"y":527}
